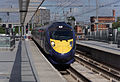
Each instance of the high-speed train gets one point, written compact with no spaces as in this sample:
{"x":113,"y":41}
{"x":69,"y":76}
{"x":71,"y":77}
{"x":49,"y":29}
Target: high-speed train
{"x":57,"y":40}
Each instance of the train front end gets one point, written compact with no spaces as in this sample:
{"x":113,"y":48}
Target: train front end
{"x":62,"y":42}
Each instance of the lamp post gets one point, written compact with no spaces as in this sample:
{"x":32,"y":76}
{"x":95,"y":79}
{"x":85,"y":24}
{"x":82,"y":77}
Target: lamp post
{"x":97,"y":14}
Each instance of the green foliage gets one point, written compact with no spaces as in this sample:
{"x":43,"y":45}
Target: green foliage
{"x":0,"y":19}
{"x":16,"y":29}
{"x":2,"y":30}
{"x":115,"y":25}
{"x":30,"y":27}
{"x":46,"y":23}
{"x":69,"y":23}
{"x":71,"y":18}
{"x":118,"y":19}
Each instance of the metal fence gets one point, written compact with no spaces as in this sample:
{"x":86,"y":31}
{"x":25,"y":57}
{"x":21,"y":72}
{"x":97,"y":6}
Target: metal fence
{"x":103,"y":36}
{"x":7,"y":42}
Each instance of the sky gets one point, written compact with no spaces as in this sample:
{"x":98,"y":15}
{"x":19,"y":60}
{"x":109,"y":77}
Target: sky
{"x":88,"y":8}
{"x":13,"y":17}
{"x":83,"y":13}
{"x":8,"y":3}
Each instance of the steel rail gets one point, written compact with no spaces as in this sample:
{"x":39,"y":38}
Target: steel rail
{"x":79,"y":77}
{"x":101,"y":69}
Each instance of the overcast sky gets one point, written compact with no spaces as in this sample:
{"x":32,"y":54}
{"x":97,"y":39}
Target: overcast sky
{"x":13,"y":17}
{"x":88,"y":9}
{"x":81,"y":13}
{"x":9,"y":3}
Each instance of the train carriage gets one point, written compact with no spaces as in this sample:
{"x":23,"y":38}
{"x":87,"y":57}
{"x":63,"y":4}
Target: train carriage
{"x":57,"y":40}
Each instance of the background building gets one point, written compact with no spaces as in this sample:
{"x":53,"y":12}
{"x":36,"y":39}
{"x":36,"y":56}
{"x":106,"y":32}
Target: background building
{"x":79,"y":32}
{"x":102,"y":22}
{"x":42,"y":17}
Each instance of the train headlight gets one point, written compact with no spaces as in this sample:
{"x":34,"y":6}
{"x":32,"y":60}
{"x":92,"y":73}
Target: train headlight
{"x":71,"y":43}
{"x":53,"y":44}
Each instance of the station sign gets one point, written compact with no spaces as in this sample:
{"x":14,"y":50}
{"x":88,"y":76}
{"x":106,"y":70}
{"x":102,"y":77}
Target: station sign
{"x":118,"y":29}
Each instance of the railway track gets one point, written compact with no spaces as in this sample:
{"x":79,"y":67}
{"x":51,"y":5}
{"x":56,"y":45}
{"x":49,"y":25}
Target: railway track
{"x":109,"y":73}
{"x":71,"y":75}
{"x":85,"y":69}
{"x":91,"y":71}
{"x":81,"y":74}
{"x":76,"y":75}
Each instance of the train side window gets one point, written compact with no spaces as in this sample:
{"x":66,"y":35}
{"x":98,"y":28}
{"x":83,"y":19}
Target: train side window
{"x":40,"y":35}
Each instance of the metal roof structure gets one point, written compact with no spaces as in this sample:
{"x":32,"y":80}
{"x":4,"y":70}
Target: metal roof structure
{"x":27,"y":9}
{"x":21,"y":10}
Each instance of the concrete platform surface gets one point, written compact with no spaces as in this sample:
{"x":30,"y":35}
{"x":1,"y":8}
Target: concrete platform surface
{"x":26,"y":64}
{"x":7,"y":59}
{"x":46,"y":72}
{"x":111,"y":48}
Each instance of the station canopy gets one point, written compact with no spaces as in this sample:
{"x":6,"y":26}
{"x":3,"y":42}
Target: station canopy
{"x":18,"y":11}
{"x":23,"y":11}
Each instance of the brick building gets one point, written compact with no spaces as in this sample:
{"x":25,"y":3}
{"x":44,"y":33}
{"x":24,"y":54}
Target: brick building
{"x":102,"y":19}
{"x":79,"y":32}
{"x":78,"y":29}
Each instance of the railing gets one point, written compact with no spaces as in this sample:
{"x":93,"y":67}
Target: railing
{"x":7,"y":42}
{"x":103,"y":36}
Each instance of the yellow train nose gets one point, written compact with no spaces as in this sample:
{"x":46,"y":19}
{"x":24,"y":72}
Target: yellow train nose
{"x":63,"y":46}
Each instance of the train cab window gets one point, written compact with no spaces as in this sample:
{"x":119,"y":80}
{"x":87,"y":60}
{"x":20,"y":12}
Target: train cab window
{"x":61,"y":35}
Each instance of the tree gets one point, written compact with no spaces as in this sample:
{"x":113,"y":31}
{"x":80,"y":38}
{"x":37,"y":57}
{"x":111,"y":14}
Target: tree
{"x":71,"y":18}
{"x":118,"y":19}
{"x":115,"y":25}
{"x":16,"y":29}
{"x":0,"y":19}
{"x":71,"y":21}
{"x":2,"y":30}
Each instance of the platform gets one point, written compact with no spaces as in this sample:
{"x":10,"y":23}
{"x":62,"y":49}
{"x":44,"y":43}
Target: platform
{"x":111,"y":48}
{"x":46,"y":72}
{"x":26,"y":64}
{"x":103,"y":52}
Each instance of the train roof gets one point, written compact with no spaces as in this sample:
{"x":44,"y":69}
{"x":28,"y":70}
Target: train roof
{"x":42,"y":27}
{"x":52,"y":25}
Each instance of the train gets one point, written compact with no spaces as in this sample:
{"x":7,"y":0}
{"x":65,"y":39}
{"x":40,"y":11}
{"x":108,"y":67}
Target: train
{"x":58,"y":41}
